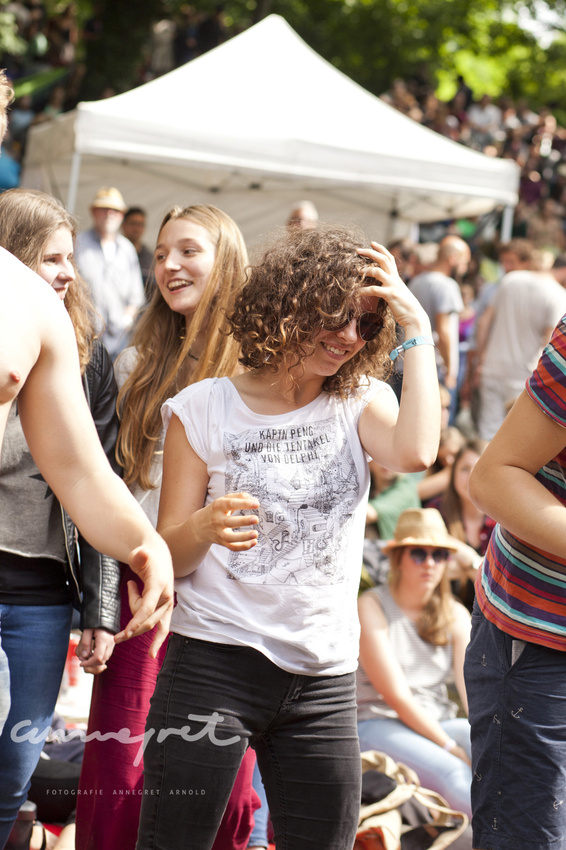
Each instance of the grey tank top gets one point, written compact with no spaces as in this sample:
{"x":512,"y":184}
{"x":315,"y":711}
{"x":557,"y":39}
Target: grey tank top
{"x":427,"y":668}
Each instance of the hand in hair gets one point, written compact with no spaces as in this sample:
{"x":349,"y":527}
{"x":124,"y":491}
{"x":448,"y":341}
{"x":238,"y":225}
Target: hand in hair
{"x":405,"y":307}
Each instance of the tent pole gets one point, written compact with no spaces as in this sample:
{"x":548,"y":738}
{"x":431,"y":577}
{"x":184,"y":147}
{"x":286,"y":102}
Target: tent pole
{"x":73,"y":182}
{"x":507,"y":224}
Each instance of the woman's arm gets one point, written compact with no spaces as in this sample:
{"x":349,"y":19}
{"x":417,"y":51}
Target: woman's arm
{"x":386,"y":675}
{"x":404,"y":439}
{"x":460,"y":631}
{"x":187,"y":527}
{"x":503,"y":483}
{"x":434,"y":485}
{"x":61,"y":435}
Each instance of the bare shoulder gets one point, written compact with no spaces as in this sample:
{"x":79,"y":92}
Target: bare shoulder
{"x":461,"y":615}
{"x":21,"y":315}
{"x":35,"y":328}
{"x":371,"y":610}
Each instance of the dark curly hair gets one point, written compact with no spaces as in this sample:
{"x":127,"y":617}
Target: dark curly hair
{"x":309,"y":280}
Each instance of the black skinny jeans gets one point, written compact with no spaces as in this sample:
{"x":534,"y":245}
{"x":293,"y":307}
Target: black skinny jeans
{"x":225,"y":698}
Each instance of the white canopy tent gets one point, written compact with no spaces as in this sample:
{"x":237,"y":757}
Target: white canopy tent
{"x":254,"y":126}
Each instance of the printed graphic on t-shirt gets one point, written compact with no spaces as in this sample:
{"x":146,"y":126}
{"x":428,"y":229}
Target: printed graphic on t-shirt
{"x":307,"y":485}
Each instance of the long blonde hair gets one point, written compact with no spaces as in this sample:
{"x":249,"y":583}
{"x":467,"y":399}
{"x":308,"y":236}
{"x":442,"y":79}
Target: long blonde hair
{"x":28,"y":220}
{"x":163,"y":341}
{"x":433,"y":624}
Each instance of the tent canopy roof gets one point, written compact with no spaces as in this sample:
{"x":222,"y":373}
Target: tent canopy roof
{"x":264,"y":112}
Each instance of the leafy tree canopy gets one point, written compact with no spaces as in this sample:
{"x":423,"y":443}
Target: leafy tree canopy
{"x":372,"y":41}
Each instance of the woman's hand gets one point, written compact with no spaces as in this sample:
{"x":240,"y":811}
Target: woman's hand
{"x":189,"y":529}
{"x":460,"y":753}
{"x":467,"y":560}
{"x":407,"y":310}
{"x":94,"y":649}
{"x":220,"y":523}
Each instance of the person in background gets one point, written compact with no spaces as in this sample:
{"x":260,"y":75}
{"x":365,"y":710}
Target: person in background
{"x":465,"y":521}
{"x":390,"y":494}
{"x":439,"y":293}
{"x":515,"y":255}
{"x":404,"y":251}
{"x":545,"y":227}
{"x":304,"y":216}
{"x":109,"y":263}
{"x":413,"y":638}
{"x":133,"y":228}
{"x":435,"y":480}
{"x":558,"y":270}
{"x":469,"y":288}
{"x":517,"y":325}
{"x":211,"y":30}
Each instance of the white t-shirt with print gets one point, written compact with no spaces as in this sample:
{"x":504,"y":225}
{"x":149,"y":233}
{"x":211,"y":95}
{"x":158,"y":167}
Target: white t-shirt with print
{"x":293,"y":595}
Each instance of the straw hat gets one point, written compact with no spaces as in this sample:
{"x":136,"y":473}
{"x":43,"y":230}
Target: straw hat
{"x":421,"y":527}
{"x":109,"y":199}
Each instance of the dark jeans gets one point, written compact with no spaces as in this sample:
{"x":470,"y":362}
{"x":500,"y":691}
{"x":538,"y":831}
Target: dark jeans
{"x":517,"y":704}
{"x":214,"y":700}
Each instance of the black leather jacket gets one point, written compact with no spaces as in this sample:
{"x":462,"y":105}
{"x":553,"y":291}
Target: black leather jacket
{"x":94,"y":578}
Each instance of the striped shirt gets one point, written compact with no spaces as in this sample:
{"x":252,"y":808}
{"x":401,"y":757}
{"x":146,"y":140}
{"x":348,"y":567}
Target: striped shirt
{"x":426,"y":667}
{"x":522,"y":589}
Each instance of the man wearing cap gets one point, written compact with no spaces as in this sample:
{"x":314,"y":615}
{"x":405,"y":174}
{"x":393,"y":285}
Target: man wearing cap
{"x":109,"y":263}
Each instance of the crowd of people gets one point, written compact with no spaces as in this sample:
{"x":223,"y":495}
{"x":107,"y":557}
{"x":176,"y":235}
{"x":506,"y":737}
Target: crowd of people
{"x":501,"y":127}
{"x":251,"y":411}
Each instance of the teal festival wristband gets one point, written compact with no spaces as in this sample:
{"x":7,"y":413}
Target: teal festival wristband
{"x":410,"y":343}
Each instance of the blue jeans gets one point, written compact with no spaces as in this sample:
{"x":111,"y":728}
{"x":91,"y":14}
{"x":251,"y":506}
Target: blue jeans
{"x":33,"y":648}
{"x":517,"y":700}
{"x":212,"y":701}
{"x":259,"y":836}
{"x":437,"y":769}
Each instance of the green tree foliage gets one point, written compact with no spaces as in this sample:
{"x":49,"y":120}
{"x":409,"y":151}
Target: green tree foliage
{"x":375,"y":41}
{"x":372,"y":41}
{"x":114,"y":57}
{"x":9,"y":39}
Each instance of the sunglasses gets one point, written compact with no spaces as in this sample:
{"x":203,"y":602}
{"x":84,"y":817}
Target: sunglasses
{"x":369,"y":325}
{"x":419,"y":555}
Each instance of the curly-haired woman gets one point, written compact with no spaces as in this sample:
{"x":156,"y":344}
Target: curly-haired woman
{"x":263,"y":505}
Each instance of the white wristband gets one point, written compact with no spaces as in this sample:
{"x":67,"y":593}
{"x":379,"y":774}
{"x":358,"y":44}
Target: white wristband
{"x":410,"y":343}
{"x":449,"y":745}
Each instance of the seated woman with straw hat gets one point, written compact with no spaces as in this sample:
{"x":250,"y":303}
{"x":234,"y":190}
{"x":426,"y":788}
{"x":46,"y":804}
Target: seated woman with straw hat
{"x":413,"y":637}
